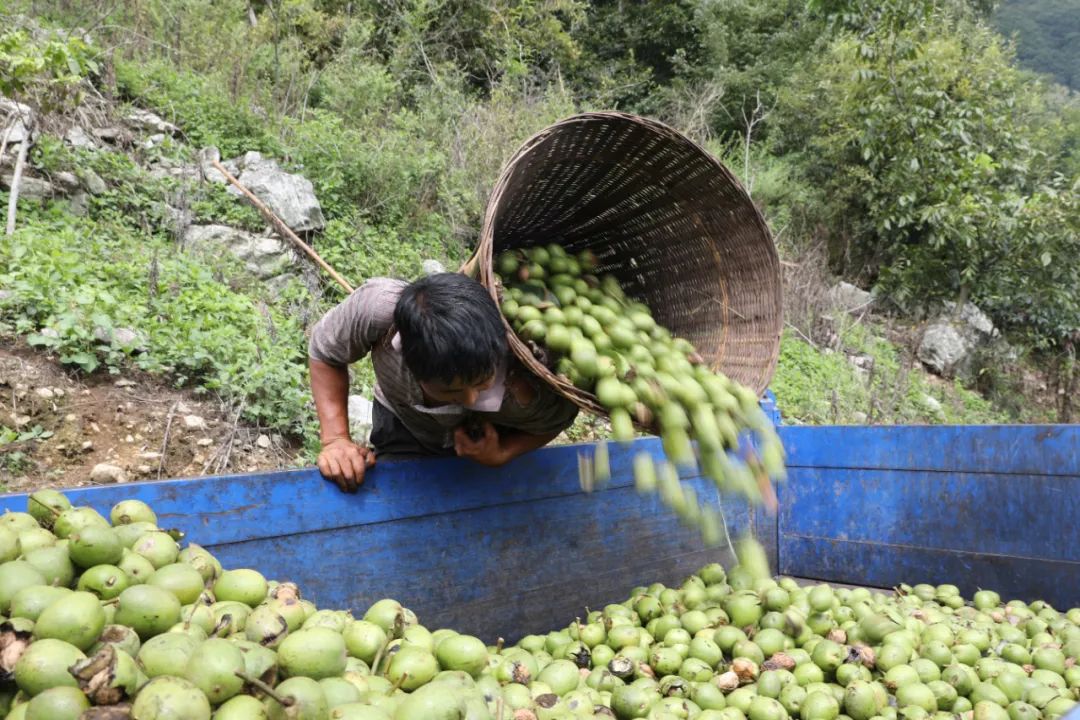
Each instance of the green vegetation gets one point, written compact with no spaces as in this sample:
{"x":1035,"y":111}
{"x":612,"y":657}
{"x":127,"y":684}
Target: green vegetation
{"x":901,"y":135}
{"x":45,"y":71}
{"x":814,"y":387}
{"x":74,"y":283}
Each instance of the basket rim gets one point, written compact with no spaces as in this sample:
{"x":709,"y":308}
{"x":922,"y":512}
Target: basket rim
{"x":480,"y":264}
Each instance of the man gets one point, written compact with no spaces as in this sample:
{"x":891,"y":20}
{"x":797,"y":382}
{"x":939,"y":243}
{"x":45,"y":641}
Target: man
{"x":446,"y":382}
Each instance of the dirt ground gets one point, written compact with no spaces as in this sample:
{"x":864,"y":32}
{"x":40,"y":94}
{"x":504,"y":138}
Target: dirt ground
{"x":130,"y":427}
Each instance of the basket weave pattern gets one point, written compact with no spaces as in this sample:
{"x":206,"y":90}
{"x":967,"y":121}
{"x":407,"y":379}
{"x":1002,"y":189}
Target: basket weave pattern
{"x":663,"y":216}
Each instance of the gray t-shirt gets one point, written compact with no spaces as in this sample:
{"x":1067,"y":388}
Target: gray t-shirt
{"x":363,"y":324}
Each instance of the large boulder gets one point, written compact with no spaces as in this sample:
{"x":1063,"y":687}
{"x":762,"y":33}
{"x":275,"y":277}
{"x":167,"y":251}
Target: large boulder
{"x":943,"y":348}
{"x":290,"y":196}
{"x":264,"y":256}
{"x":949,"y":342}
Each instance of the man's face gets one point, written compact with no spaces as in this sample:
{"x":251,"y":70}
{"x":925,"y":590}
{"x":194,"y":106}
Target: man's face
{"x":459,"y":392}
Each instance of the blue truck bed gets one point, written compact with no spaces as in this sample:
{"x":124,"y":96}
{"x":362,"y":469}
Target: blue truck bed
{"x":519,"y":549}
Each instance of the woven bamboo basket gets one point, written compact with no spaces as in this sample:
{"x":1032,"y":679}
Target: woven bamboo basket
{"x":663,"y":216}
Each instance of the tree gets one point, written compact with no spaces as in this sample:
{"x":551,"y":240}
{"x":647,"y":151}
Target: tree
{"x":633,"y":48}
{"x":921,"y":132}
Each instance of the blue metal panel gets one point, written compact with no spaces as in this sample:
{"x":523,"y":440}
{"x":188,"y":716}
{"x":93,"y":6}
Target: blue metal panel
{"x":492,"y":551}
{"x":521,"y":548}
{"x":995,"y":507}
{"x":497,"y":571}
{"x":1002,"y":449}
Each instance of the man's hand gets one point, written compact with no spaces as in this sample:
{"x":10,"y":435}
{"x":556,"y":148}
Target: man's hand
{"x":344,"y":462}
{"x":487,"y":450}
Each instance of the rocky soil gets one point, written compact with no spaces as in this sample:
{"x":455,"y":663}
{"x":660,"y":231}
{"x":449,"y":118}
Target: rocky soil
{"x":104,"y":429}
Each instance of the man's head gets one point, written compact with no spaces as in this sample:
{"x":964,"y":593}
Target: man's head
{"x":452,"y":336}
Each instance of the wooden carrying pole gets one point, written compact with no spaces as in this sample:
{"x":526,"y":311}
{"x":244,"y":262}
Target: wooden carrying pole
{"x":282,"y":228}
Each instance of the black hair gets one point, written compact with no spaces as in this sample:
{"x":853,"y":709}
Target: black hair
{"x":451,"y":329}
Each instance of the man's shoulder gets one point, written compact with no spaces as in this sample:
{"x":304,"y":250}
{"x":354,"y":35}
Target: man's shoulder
{"x":382,"y":286}
{"x":377,"y":297}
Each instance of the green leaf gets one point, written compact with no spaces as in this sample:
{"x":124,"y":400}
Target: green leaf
{"x":88,"y":362}
{"x":39,"y":340}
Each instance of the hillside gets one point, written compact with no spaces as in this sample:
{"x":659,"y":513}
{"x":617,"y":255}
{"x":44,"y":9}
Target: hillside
{"x":145,"y":291}
{"x":1047,"y":34}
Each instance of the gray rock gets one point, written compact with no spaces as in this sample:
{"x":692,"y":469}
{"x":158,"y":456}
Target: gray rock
{"x":290,"y":196}
{"x":111,"y":133}
{"x":931,"y":404}
{"x":76,"y":137}
{"x":147,"y":121}
{"x":862,"y":365}
{"x":17,"y":118}
{"x":949,"y":343}
{"x":943,"y":348}
{"x":266,"y":256}
{"x":849,"y":298}
{"x":106,"y":474}
{"x":30,"y":188}
{"x":121,"y":337}
{"x":92,"y":181}
{"x":973,"y":318}
{"x":254,"y":160}
{"x":126,"y":337}
{"x":207,"y":156}
{"x":5,"y":294}
{"x":66,"y":180}
{"x":859,"y":417}
{"x":187,"y":173}
{"x":432,"y":267}
{"x":864,"y":362}
{"x":263,"y":256}
{"x":153,"y":141}
{"x":194,"y":422}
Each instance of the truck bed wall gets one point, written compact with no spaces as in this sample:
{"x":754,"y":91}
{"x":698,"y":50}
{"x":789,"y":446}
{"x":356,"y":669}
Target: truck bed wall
{"x":995,"y":507}
{"x":520,"y":549}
